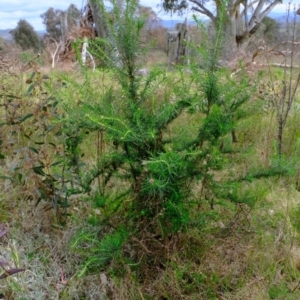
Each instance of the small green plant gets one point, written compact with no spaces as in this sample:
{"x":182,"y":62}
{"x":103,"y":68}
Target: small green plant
{"x":27,"y":56}
{"x":7,"y":270}
{"x":278,"y":291}
{"x":158,"y":166}
{"x":295,"y":218}
{"x":100,"y":251}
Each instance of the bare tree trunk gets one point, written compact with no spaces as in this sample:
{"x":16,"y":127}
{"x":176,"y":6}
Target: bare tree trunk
{"x":235,"y":33}
{"x":177,"y":44}
{"x":182,"y":44}
{"x":172,"y":46}
{"x":99,"y":18}
{"x":54,"y":51}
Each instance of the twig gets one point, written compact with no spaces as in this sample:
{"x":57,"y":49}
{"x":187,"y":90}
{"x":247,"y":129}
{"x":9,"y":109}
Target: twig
{"x":144,"y":247}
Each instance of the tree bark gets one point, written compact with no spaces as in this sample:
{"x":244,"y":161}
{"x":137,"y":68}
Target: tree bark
{"x":229,"y":45}
{"x":177,"y":48}
{"x":100,"y":20}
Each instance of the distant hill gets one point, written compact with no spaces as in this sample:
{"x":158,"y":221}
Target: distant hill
{"x":41,"y":33}
{"x":171,"y":23}
{"x":279,"y":17}
{"x":4,"y":33}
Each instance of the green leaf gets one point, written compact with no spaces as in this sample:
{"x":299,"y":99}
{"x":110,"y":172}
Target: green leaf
{"x":2,"y":156}
{"x":32,"y":75}
{"x":30,"y":89}
{"x":20,"y":177}
{"x":63,"y":204}
{"x":56,"y":163}
{"x":26,"y":117}
{"x":7,"y":177}
{"x":38,"y":201}
{"x":38,"y":170}
{"x":33,"y":150}
{"x":9,"y":96}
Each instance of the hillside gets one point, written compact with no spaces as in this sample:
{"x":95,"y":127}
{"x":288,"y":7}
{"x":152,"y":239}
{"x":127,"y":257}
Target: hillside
{"x":4,"y":33}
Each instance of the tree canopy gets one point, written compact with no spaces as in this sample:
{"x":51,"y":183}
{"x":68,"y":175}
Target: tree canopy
{"x":56,"y":20}
{"x":25,"y":36}
{"x":51,"y":19}
{"x":73,"y":16}
{"x":240,"y":19}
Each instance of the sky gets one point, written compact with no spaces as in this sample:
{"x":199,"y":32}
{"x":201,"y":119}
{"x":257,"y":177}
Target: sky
{"x":11,"y":11}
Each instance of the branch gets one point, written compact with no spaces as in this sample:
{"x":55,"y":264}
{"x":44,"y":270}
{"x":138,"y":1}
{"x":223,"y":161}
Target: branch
{"x":236,"y":4}
{"x":268,"y":9}
{"x":249,"y":5}
{"x":252,"y":3}
{"x":92,"y":59}
{"x":246,"y":15}
{"x":258,"y":15}
{"x":54,"y":40}
{"x":255,"y":17}
{"x":263,"y":51}
{"x":55,"y":52}
{"x":283,"y":66}
{"x":272,"y":50}
{"x":203,"y":10}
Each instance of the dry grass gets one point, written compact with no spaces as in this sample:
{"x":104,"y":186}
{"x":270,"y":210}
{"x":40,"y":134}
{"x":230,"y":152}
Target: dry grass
{"x":253,"y":256}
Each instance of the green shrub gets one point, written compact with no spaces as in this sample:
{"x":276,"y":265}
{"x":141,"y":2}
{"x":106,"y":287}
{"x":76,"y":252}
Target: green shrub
{"x":155,"y":166}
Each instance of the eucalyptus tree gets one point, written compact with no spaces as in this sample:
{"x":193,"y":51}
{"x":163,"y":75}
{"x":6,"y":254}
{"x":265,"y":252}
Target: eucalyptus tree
{"x":58,"y":22}
{"x":100,"y":7}
{"x":99,"y":18}
{"x":239,"y":19}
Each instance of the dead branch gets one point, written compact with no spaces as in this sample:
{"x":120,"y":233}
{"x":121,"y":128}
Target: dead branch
{"x":277,"y":65}
{"x":54,"y":52}
{"x":263,"y":50}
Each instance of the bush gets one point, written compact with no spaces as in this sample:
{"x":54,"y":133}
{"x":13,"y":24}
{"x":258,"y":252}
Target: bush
{"x":155,"y":166}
